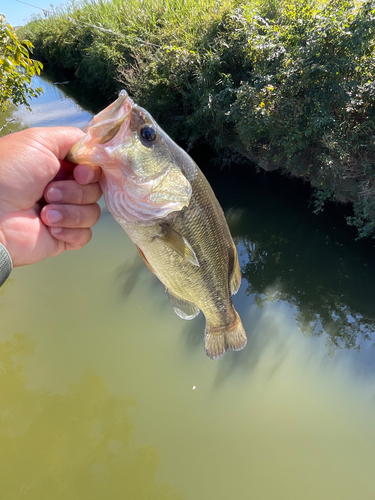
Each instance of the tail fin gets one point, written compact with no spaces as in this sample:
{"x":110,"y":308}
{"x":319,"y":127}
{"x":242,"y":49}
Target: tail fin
{"x":232,"y":337}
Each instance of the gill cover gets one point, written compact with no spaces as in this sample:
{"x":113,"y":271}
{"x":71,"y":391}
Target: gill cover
{"x":141,"y":178}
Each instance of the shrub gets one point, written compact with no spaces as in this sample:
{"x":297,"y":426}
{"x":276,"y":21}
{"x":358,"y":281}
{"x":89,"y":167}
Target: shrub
{"x":16,"y":68}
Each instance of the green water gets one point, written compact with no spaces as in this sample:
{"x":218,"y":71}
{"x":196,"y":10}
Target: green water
{"x":106,"y":394}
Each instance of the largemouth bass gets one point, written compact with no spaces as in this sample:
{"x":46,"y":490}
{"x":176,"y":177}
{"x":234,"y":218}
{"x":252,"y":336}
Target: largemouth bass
{"x":157,"y":193}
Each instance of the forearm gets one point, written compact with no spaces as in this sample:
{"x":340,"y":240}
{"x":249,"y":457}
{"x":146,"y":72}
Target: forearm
{"x":5,"y":264}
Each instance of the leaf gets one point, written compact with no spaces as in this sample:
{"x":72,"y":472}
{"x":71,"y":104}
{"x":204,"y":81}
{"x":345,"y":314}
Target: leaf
{"x":16,"y":68}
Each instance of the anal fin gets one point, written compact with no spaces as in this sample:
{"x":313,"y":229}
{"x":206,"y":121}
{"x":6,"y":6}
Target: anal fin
{"x":182,"y":307}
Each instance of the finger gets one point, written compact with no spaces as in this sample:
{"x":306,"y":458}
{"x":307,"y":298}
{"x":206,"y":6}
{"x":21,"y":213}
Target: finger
{"x":74,"y":239}
{"x":59,"y":140}
{"x":87,"y":174}
{"x":70,"y":192}
{"x":32,"y":158}
{"x":70,"y":216}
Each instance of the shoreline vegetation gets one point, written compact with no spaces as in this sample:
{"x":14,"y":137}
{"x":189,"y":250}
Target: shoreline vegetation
{"x":280,"y":84}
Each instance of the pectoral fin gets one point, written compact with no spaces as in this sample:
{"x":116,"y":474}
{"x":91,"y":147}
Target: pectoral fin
{"x":183,"y":308}
{"x":178,"y":243}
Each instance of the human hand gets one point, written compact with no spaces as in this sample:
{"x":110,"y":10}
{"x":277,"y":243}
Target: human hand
{"x":32,"y":172}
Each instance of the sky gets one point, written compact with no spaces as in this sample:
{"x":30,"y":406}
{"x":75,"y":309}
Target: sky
{"x":18,"y":14}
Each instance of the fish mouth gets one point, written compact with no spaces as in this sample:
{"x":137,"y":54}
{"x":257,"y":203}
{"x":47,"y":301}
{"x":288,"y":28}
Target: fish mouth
{"x":101,"y":132}
{"x":113,"y":111}
{"x":106,"y":124}
{"x":124,"y":104}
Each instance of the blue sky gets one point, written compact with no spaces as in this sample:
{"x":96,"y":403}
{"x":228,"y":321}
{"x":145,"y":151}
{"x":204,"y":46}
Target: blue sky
{"x":17,"y":13}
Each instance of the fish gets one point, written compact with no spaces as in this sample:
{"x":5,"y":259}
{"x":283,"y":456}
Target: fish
{"x":163,"y":201}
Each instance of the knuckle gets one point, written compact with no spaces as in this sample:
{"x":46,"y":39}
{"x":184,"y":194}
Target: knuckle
{"x":77,"y":217}
{"x":79,"y":239}
{"x":81,"y":216}
{"x":82,"y":195}
{"x":98,"y":192}
{"x":89,"y":194}
{"x":97,"y":212}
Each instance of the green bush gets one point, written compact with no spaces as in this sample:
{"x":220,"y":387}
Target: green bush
{"x":16,"y":68}
{"x":309,"y":104}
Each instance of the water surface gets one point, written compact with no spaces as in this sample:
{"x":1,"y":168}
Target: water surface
{"x":106,"y":393}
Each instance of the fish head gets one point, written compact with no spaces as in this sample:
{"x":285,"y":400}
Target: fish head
{"x":142,"y":176}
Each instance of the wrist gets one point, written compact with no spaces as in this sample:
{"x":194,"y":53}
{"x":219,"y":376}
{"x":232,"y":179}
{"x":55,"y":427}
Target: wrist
{"x":6,"y":264}
{"x":2,"y":238}
{"x":5,"y":244}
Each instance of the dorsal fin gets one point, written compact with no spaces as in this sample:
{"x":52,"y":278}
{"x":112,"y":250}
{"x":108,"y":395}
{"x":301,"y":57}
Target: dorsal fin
{"x":182,"y":307}
{"x":235,"y":278}
{"x":178,"y":243}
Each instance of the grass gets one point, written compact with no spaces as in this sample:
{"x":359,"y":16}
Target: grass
{"x":286,"y":83}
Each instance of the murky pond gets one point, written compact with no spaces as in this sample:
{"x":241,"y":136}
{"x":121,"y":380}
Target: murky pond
{"x":106,"y":394}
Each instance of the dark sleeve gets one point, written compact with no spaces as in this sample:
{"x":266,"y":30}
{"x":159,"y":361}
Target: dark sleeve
{"x":5,"y":264}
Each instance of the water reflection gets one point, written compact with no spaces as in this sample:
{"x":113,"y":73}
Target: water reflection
{"x":8,"y":123}
{"x":267,"y":335}
{"x":91,"y":101}
{"x":312,"y":262}
{"x":53,"y":108}
{"x":321,"y":292}
{"x":76,"y":445}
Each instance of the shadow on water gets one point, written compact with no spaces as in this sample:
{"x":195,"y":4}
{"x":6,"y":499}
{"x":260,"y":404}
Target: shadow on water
{"x":128,"y":275}
{"x":192,"y":333}
{"x":63,"y":446}
{"x":132,"y":273}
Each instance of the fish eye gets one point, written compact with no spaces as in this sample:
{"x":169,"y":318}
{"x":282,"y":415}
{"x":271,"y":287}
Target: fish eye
{"x":147,"y":133}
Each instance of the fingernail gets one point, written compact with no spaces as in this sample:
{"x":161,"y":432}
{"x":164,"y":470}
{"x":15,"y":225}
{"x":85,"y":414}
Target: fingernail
{"x":54,"y":194}
{"x":53,"y":216}
{"x":55,"y":230}
{"x":90,"y":177}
